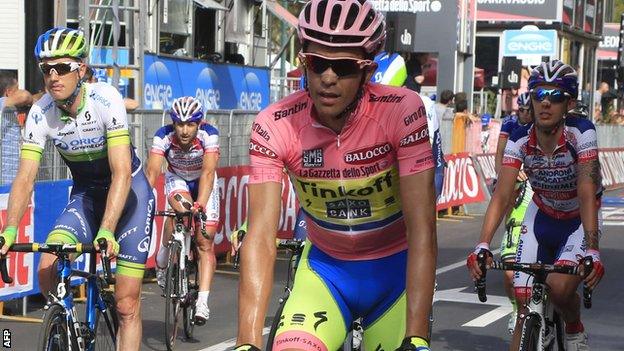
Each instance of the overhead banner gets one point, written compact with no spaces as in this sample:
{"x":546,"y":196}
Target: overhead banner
{"x":536,"y":43}
{"x":517,"y":10}
{"x":217,"y":86}
{"x":608,"y":47}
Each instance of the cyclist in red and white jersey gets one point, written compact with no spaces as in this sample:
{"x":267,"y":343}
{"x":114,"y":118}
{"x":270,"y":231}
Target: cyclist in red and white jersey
{"x":348,"y":146}
{"x":560,"y":157}
{"x":191,"y":149}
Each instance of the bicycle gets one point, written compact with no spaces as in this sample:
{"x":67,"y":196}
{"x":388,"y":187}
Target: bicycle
{"x":62,"y":330}
{"x":542,"y":325}
{"x":182,"y":282}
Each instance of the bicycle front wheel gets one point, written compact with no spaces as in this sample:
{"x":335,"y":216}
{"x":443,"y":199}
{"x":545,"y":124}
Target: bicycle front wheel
{"x":192,"y":281}
{"x":106,"y":324}
{"x":172,"y":296}
{"x":529,"y":340}
{"x":54,"y":334}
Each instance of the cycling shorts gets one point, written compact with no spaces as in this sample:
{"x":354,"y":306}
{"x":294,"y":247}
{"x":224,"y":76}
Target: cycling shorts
{"x":328,"y":294}
{"x":81,"y":218}
{"x":547,"y":240}
{"x":513,"y":224}
{"x":175,"y":184}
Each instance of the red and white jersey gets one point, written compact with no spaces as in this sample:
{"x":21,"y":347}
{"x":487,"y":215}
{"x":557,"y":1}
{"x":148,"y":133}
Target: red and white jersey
{"x":347,"y":183}
{"x":187,"y":164}
{"x":553,"y":178}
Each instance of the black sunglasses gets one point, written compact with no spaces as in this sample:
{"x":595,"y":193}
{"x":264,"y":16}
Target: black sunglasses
{"x":555,"y":96}
{"x":342,"y":66}
{"x":60,"y":68}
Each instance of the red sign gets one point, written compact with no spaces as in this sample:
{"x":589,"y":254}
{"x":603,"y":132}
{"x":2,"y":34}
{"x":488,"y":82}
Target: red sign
{"x":462,"y":183}
{"x":21,"y":265}
{"x":232,"y":187}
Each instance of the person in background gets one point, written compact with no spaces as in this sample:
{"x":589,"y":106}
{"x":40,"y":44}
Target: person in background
{"x":461,"y":120}
{"x":443,"y":111}
{"x":602,"y":88}
{"x":415,"y":76}
{"x":11,"y":94}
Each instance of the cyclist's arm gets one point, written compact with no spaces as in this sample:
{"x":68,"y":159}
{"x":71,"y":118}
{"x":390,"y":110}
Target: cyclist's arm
{"x":498,"y":204}
{"x":19,"y":98}
{"x":588,"y":182}
{"x":120,"y":162}
{"x":257,"y":260}
{"x":21,"y":190}
{"x":500,"y":150}
{"x":206,"y":180}
{"x":417,"y":190}
{"x":154,"y":164}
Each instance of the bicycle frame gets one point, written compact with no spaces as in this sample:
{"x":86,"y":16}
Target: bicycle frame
{"x":540,"y":307}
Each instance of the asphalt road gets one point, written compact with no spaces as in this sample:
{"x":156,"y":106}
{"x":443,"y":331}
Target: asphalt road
{"x":461,"y":322}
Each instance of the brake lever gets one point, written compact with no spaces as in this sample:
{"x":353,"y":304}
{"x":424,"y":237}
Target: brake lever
{"x":103,"y":244}
{"x":3,"y":266}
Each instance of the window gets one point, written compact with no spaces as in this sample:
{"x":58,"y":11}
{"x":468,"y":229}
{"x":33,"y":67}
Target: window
{"x":176,"y":27}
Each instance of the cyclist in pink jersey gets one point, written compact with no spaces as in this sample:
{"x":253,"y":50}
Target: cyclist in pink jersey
{"x":560,"y":157}
{"x":348,"y":146}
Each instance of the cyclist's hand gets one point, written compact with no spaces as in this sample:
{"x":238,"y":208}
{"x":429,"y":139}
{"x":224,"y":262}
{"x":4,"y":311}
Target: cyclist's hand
{"x":414,"y":343}
{"x":597,"y":272}
{"x":197,"y":207}
{"x":473,"y":265}
{"x":9,"y":235}
{"x":522,"y":176}
{"x":235,"y":240}
{"x":246,"y":347}
{"x":113,"y":245}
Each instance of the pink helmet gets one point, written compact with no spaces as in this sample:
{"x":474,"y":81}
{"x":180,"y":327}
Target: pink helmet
{"x":343,"y":23}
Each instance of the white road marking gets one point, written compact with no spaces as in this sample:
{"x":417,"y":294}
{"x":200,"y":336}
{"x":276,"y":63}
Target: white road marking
{"x":490,"y":317}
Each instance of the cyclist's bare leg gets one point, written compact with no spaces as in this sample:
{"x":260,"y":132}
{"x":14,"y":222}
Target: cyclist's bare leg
{"x":564,"y":296}
{"x":47,"y":274}
{"x":163,"y":250}
{"x":207,"y":260}
{"x":128,"y":302}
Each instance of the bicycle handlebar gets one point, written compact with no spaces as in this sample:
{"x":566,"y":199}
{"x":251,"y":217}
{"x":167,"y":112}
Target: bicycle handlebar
{"x":533,"y":269}
{"x":58,"y":249}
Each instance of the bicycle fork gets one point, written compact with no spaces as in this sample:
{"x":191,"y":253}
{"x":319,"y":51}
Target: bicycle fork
{"x":540,"y":307}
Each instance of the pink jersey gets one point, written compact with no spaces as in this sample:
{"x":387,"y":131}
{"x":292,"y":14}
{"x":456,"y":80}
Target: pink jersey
{"x":347,"y":183}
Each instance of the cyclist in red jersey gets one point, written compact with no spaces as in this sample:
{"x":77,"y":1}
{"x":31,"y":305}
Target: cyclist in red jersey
{"x":348,"y":146}
{"x":560,"y":157}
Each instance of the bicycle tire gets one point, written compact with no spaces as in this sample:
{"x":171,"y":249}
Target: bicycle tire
{"x":54,"y":335}
{"x":188,"y":311}
{"x":172,"y":301}
{"x":529,"y":338}
{"x":275,"y":324}
{"x":560,"y":331}
{"x":106,"y":324}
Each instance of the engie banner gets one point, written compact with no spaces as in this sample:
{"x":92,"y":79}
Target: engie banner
{"x":217,"y":86}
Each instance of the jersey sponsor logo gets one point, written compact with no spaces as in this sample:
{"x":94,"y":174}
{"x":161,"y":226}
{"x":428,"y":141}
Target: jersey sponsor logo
{"x":256,"y":127}
{"x":126,"y":233}
{"x":349,"y":208}
{"x":37,"y":118}
{"x":99,"y":98}
{"x":320,"y":173}
{"x":80,"y":144}
{"x":279,"y":114}
{"x":341,"y":191}
{"x":321,"y":317}
{"x":390,"y":98}
{"x":367,"y":155}
{"x":417,"y":137}
{"x":144,"y":244}
{"x":312,"y":158}
{"x":257,"y":149}
{"x":61,"y":134}
{"x":415,"y":116}
{"x":418,"y":164}
{"x":297,"y":319}
{"x":90,"y":129}
{"x":87,"y":116}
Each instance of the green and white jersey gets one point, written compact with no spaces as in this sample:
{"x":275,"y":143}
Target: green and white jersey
{"x":82,"y":142}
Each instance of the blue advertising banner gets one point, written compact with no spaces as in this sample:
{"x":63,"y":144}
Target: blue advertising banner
{"x":534,"y":42}
{"x":217,"y":86}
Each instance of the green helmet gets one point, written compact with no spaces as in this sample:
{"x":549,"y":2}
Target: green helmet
{"x":61,"y":42}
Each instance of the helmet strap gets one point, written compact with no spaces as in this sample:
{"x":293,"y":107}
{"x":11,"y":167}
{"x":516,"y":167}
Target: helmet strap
{"x":66,"y":104}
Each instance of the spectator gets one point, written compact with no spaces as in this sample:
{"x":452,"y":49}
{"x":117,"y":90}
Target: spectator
{"x":462,"y":119}
{"x":442,"y":105}
{"x":602,"y":88}
{"x":10,"y":94}
{"x":415,"y":76}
